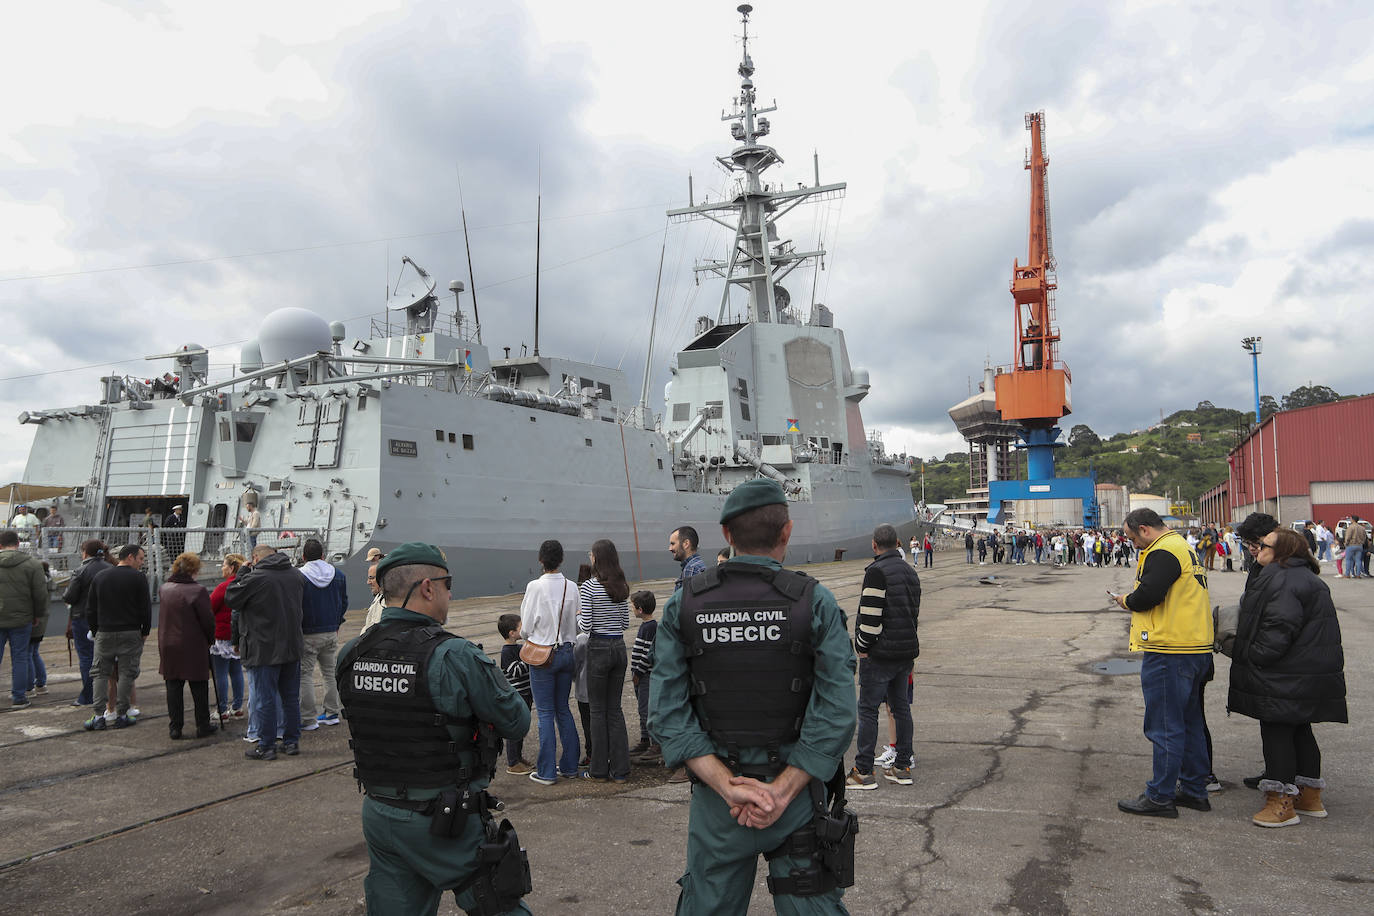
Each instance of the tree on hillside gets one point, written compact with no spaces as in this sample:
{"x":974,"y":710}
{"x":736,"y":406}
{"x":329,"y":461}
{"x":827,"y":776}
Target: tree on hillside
{"x":1268,"y":406}
{"x":1205,"y":405}
{"x":1082,"y":435}
{"x":1308,"y":395}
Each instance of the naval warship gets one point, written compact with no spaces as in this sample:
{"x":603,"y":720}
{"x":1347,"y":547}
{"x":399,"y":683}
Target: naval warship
{"x":420,"y":433}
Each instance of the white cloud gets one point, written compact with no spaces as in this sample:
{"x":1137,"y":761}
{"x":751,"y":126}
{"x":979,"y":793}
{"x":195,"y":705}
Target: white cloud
{"x":1206,"y":181}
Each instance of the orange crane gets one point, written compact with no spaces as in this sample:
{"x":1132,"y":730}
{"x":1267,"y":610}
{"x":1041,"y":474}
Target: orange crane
{"x":1035,"y":391}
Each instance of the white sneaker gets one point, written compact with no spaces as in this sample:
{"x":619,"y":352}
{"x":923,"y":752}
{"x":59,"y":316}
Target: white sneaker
{"x":310,"y":726}
{"x":887,"y":758}
{"x":134,"y":712}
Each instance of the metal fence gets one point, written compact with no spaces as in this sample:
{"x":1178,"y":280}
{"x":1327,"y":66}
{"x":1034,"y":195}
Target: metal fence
{"x":60,"y":548}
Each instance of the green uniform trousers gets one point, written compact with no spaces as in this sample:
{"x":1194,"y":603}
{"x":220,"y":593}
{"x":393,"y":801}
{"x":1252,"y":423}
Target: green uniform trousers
{"x":722,"y":857}
{"x":410,"y":868}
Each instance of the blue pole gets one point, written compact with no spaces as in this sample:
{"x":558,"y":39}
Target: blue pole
{"x":1255,"y":357}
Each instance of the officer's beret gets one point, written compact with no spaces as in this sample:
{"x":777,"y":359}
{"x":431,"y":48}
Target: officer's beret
{"x":1256,"y":526}
{"x":752,"y":494}
{"x":410,"y":554}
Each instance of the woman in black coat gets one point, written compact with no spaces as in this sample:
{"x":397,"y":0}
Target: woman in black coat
{"x":1287,"y":670}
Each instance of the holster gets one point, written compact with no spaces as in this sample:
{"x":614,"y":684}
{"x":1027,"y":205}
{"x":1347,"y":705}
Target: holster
{"x":503,"y":871}
{"x":827,"y":841}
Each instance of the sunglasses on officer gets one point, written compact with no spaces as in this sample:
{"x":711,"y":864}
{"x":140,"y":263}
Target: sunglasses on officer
{"x":446,"y":580}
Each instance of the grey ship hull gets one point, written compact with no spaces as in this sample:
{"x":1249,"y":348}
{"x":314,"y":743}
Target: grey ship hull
{"x":532,"y":475}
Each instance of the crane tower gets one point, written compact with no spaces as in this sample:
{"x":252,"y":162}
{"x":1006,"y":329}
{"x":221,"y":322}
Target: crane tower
{"x":1034,"y":391}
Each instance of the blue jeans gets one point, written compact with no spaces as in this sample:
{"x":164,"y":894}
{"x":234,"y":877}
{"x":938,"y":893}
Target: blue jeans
{"x":227,"y":670}
{"x":85,"y":651}
{"x":17,"y":638}
{"x":255,"y":709}
{"x":1172,"y":686}
{"x":273,"y":685}
{"x":882,"y":680}
{"x":551,"y":687}
{"x":38,"y":672}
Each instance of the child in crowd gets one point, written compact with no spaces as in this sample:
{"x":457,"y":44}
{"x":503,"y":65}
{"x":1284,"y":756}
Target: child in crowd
{"x":641,"y":663}
{"x":722,"y":555}
{"x":518,"y":673}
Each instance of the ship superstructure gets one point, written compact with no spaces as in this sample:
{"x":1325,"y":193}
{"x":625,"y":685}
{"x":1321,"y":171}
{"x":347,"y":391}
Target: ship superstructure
{"x":418,"y":432}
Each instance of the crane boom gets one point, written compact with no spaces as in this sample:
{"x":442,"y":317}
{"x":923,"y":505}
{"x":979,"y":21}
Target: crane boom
{"x":1036,"y":391}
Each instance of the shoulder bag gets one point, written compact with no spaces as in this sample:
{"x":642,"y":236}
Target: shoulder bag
{"x":537,"y":656}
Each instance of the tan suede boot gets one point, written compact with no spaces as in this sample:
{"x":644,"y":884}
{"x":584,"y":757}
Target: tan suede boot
{"x":1278,"y":806}
{"x":1309,"y":800}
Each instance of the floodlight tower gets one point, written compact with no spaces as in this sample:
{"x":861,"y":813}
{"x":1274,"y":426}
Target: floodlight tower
{"x":1253,"y":346}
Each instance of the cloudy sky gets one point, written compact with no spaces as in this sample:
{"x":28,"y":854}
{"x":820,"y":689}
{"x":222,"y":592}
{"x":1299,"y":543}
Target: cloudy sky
{"x":179,"y":170}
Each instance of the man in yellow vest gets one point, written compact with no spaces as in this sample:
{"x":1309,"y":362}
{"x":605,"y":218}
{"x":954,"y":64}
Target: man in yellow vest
{"x":1171,"y":622}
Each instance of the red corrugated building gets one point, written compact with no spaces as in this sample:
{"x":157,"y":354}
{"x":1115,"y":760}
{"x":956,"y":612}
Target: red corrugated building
{"x":1311,"y":463}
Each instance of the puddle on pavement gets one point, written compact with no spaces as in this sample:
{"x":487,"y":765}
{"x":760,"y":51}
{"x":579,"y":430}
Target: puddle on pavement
{"x":1118,"y":666}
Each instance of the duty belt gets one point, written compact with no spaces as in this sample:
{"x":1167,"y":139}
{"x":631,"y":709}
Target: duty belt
{"x":423,"y":806}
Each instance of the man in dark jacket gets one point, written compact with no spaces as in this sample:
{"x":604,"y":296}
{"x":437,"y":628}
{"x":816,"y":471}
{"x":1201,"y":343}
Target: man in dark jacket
{"x":1251,"y":531}
{"x":886,"y":643}
{"x":77,"y":596}
{"x":324,"y":602}
{"x":266,"y":630}
{"x":23,"y":602}
{"x":120,"y":614}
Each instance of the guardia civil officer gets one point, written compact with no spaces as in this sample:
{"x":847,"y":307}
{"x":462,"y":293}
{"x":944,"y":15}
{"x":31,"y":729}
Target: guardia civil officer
{"x":426,"y":709}
{"x":753,"y":688}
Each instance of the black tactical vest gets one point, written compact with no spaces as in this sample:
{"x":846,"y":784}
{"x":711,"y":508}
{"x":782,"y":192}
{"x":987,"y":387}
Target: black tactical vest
{"x":898,"y":641}
{"x":399,"y":739}
{"x":746,"y":630}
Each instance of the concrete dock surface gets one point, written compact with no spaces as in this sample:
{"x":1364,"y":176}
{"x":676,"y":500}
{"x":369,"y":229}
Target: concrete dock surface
{"x":1023,"y":746}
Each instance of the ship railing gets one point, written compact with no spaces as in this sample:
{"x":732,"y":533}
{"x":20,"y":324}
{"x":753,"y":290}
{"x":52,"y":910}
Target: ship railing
{"x":60,"y":548}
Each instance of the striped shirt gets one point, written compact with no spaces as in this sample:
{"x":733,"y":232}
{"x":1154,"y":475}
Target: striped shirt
{"x":598,"y":614}
{"x":872,"y":600}
{"x":642,"y":656}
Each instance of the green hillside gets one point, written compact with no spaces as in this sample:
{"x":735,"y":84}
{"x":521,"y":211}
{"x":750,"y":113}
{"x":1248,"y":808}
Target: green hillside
{"x":1184,"y":454}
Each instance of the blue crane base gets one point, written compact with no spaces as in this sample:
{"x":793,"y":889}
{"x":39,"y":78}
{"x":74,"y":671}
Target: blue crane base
{"x":1084,"y":489}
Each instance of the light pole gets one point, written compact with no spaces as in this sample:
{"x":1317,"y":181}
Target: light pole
{"x":1252,"y":345}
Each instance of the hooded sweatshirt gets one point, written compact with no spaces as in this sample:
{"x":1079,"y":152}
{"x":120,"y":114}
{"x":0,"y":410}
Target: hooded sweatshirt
{"x":325,"y":598}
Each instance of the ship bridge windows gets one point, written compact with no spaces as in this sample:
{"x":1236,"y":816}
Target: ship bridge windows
{"x":468,"y":441}
{"x":682,"y":412}
{"x":744,"y":410}
{"x":772,"y":440}
{"x":242,"y":430}
{"x":715,"y":410}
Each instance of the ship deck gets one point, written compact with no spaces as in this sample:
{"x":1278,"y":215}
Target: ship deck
{"x":1022,"y":748}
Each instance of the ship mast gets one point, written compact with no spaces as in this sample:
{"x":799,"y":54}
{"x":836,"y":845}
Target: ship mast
{"x":757,"y":260}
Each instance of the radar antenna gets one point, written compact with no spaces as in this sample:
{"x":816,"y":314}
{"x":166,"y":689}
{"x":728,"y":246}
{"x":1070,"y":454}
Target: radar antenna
{"x":416,"y":298}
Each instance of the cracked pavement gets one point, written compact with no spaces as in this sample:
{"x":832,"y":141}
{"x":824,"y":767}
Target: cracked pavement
{"x":1022,"y":749}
